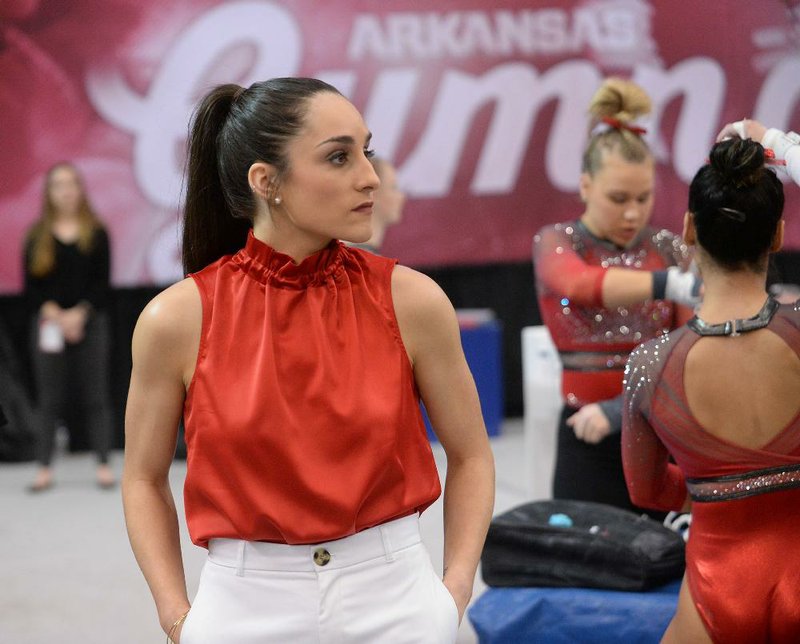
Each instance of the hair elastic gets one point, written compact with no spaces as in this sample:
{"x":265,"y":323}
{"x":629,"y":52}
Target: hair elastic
{"x":770,"y":159}
{"x":622,"y":125}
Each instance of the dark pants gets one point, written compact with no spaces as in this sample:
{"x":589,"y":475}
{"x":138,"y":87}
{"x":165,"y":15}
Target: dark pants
{"x":586,"y":472}
{"x":77,"y":378}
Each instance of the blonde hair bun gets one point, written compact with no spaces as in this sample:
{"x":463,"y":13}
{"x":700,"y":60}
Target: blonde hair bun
{"x":620,"y":99}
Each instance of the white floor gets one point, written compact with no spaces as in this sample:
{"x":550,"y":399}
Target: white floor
{"x":67,"y":574}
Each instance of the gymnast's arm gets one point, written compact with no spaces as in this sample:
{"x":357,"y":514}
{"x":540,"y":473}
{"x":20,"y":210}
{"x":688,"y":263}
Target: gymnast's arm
{"x":653,"y":481}
{"x":565,"y":272}
{"x":165,"y":345}
{"x":786,"y":146}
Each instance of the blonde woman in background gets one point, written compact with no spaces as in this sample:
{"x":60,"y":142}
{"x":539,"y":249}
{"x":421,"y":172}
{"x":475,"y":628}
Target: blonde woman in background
{"x":66,"y":268}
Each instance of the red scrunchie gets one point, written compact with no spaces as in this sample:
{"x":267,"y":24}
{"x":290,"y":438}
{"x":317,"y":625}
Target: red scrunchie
{"x":621,"y":125}
{"x":769,"y":156}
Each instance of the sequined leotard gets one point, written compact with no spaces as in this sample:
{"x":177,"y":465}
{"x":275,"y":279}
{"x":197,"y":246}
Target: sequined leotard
{"x":742,"y":559}
{"x":594,"y":341}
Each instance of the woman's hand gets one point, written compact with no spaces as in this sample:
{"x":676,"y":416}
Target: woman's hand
{"x":50,"y":311}
{"x":176,"y":626}
{"x":176,"y":634}
{"x":73,"y":323}
{"x":461,"y":590}
{"x":744,"y":129}
{"x":590,"y":424}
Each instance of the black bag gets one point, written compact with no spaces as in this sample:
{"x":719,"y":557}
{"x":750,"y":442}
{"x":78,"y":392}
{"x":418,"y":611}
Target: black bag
{"x":17,"y":433}
{"x":604,"y":547}
{"x":17,"y":438}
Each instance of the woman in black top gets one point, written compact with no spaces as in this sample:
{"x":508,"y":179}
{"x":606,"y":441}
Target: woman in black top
{"x":67,"y":285}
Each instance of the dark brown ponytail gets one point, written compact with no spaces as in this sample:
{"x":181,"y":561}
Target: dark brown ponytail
{"x":233,"y":128}
{"x":209,"y":228}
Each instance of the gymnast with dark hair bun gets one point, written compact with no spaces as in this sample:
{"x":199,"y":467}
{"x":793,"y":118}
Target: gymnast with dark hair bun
{"x":720,"y":397}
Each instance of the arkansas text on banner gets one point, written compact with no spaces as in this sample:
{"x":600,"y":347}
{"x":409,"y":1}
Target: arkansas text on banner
{"x":481,"y":105}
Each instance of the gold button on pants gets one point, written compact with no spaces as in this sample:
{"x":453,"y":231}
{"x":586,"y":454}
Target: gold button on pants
{"x":321,"y":556}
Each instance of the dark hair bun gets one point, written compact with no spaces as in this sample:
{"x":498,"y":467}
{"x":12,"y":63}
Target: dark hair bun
{"x":736,"y":202}
{"x":739,"y":162}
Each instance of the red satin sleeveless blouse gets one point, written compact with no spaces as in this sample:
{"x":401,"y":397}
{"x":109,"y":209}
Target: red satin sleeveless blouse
{"x":302,"y":419}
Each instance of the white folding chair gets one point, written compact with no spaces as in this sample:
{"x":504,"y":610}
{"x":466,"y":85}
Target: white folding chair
{"x":541,"y":381}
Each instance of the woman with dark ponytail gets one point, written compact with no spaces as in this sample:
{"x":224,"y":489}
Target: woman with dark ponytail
{"x":720,"y":396}
{"x":298,"y":364}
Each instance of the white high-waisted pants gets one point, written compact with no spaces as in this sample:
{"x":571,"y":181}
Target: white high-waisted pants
{"x":376,"y":586}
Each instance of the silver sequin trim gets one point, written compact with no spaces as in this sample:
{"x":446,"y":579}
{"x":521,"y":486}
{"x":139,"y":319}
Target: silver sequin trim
{"x":743,"y":485}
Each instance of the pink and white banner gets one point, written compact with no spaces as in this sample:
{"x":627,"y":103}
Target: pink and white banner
{"x":481,"y":105}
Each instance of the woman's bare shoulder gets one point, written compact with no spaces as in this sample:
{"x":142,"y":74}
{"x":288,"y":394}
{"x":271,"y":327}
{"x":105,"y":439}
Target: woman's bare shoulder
{"x":174,"y":314}
{"x":424,"y":313}
{"x":416,"y":293}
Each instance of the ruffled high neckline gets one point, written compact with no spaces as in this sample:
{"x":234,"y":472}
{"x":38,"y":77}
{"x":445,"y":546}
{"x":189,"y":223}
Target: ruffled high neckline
{"x":268,"y":266}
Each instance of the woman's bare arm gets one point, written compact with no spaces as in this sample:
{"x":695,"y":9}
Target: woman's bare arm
{"x":165,"y":344}
{"x":431,"y":335}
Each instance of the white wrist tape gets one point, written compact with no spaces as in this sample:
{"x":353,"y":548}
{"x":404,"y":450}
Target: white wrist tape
{"x":738,"y":127}
{"x":778,"y":142}
{"x":683,"y":287}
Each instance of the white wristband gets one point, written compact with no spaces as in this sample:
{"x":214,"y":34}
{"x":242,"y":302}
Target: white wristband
{"x":778,"y":142}
{"x":683,"y":287}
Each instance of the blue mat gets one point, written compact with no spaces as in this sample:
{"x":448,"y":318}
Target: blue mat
{"x":569,"y":615}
